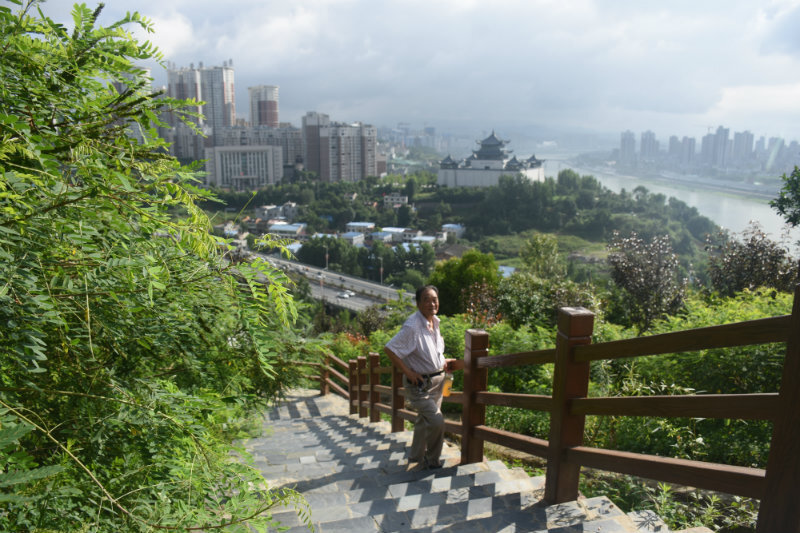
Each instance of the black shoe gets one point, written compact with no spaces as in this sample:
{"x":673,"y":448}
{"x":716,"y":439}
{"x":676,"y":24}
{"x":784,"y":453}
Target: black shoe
{"x":434,"y":465}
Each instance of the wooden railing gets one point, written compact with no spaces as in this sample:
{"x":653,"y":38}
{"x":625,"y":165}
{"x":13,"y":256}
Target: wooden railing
{"x":776,"y":486}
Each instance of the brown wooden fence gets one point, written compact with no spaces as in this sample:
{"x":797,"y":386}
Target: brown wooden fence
{"x":776,"y":486}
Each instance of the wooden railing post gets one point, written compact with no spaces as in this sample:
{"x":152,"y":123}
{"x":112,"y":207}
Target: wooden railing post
{"x":475,"y":379}
{"x":374,"y":396}
{"x":325,"y":376}
{"x":570,"y":380}
{"x":361,"y":381}
{"x":352,"y":373}
{"x":397,"y":401}
{"x":779,"y":509}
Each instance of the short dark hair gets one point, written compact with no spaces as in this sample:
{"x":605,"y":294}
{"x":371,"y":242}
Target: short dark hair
{"x":421,"y":291}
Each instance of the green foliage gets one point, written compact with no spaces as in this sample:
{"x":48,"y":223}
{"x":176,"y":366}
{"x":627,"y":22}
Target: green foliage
{"x":451,"y":277}
{"x":524,"y":298}
{"x":750,"y":260}
{"x":787,"y":204}
{"x":540,"y":256}
{"x":647,"y":272}
{"x":131,"y":347}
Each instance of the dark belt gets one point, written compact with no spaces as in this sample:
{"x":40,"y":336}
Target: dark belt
{"x":434,"y":374}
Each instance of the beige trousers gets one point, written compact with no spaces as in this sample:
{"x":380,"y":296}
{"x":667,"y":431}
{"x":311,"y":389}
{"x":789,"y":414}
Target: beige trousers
{"x":426,"y":400}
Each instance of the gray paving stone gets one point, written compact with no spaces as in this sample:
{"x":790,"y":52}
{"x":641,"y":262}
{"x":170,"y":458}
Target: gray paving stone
{"x":564,"y":514}
{"x":648,"y":522}
{"x":365,"y":524}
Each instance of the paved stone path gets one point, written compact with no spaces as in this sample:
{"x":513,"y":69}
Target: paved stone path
{"x":356,"y":479}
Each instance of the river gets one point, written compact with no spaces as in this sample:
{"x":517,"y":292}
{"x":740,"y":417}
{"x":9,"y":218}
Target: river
{"x":732,"y":211}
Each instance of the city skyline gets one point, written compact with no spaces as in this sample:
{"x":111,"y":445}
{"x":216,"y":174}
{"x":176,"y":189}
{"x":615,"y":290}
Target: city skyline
{"x":582,"y":65}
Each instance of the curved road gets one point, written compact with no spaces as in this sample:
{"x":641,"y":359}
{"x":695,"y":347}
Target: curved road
{"x":328,"y":285}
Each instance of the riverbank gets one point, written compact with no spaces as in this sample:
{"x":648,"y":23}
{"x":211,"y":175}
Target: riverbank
{"x":690,"y":182}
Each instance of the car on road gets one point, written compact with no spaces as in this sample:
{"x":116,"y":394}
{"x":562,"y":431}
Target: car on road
{"x":343,"y":295}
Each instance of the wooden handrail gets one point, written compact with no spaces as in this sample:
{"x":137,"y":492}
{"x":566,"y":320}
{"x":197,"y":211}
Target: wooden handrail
{"x":775,"y":329}
{"x":338,"y":361}
{"x":724,"y":478}
{"x":738,"y":406}
{"x":534,"y":402}
{"x":517,"y":359}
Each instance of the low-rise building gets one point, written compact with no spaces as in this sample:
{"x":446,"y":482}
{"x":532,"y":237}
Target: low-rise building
{"x":288,"y":231}
{"x":354,"y":237}
{"x":410,"y":234}
{"x":360,"y":227}
{"x":457,"y":229}
{"x":380,"y":236}
{"x":395,"y":200}
{"x":396,"y":233}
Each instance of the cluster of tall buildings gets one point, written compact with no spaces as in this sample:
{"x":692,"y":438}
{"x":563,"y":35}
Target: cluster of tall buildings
{"x":718,"y":151}
{"x":246,"y":155}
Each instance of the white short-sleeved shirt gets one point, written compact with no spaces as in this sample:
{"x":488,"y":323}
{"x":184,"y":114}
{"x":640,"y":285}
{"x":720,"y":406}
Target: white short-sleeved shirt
{"x":419,"y":345}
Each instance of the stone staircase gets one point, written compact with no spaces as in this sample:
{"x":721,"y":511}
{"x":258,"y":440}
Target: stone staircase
{"x":356,"y":479}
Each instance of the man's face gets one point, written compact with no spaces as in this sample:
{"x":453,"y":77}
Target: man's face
{"x":428,"y":304}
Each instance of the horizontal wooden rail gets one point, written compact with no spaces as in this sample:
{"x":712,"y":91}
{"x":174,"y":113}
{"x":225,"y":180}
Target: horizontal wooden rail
{"x":338,"y":361}
{"x":711,"y":476}
{"x":377,"y":370}
{"x":734,"y":406}
{"x":538,"y":357}
{"x":508,"y":399}
{"x":456,"y":428}
{"x":405,"y":414}
{"x":337,"y":374}
{"x":383,"y":408}
{"x":761,"y":331}
{"x":305,"y":363}
{"x":455,"y":397}
{"x":515,"y":441}
{"x":384,"y":389}
{"x":339,"y":390}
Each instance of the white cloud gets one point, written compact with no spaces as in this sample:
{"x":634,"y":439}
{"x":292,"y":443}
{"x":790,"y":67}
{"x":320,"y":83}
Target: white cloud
{"x":600,"y":65}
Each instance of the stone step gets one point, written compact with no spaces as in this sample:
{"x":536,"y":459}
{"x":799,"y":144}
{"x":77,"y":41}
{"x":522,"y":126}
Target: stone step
{"x":355,"y":478}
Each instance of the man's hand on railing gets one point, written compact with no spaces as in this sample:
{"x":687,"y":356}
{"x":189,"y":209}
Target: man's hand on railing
{"x":451,"y":365}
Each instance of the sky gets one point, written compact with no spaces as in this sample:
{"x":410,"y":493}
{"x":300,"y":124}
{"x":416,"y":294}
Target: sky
{"x":542,"y":67}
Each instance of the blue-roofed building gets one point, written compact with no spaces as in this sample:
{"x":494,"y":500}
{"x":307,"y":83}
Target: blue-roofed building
{"x":424,"y":239}
{"x":457,"y":229}
{"x":360,"y":227}
{"x":353,"y":237}
{"x":381,"y":236}
{"x":397,"y":233}
{"x":289,"y":231}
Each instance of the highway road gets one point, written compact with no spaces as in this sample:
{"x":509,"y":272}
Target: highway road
{"x":328,"y":285}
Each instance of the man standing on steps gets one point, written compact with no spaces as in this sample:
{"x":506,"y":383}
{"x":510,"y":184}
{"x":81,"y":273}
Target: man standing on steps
{"x":418,"y":351}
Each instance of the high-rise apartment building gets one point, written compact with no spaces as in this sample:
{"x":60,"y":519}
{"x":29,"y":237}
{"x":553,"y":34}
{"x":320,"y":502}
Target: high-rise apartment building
{"x":743,"y":142}
{"x":339,"y":152}
{"x":721,"y":151}
{"x":627,"y":147}
{"x":214,"y":86}
{"x":649,"y":146}
{"x":688,"y":151}
{"x":263,"y":105}
{"x":184,"y":84}
{"x":217,"y":90}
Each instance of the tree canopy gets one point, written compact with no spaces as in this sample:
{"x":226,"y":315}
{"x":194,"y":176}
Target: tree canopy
{"x":130,"y":346}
